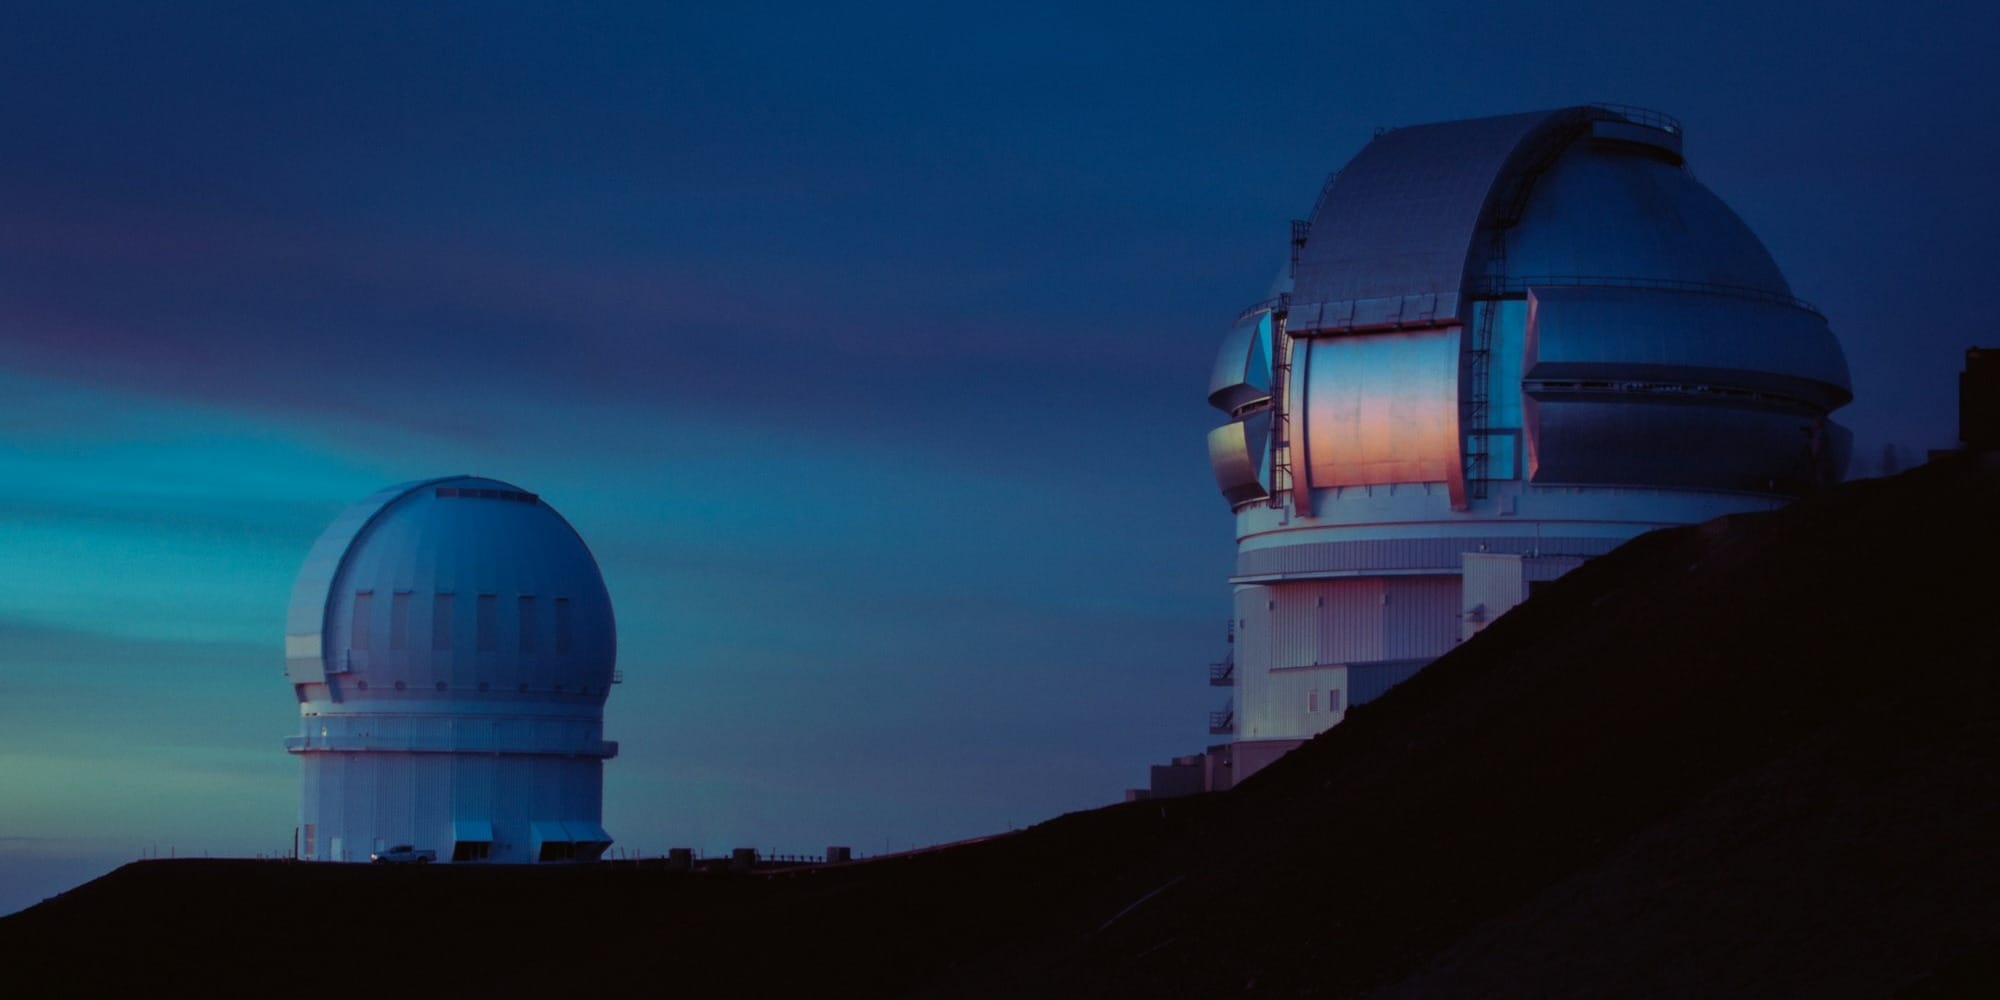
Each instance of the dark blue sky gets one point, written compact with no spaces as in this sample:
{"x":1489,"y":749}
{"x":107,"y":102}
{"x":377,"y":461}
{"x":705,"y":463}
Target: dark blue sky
{"x":866,"y":348}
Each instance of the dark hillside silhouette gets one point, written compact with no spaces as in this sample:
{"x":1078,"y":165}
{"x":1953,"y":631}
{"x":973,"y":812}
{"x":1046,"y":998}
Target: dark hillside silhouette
{"x":1758,"y":756}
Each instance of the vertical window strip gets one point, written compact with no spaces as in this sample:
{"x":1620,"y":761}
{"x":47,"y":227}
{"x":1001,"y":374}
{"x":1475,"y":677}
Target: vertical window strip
{"x":489,"y":623}
{"x":399,"y":620}
{"x":364,"y":601}
{"x":441,"y":623}
{"x":562,"y":626}
{"x":528,"y":636}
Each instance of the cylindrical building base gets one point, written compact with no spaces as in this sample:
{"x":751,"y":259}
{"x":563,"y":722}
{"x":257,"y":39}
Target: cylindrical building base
{"x":464,"y":806}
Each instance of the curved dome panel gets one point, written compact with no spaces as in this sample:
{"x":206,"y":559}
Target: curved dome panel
{"x":1717,"y":342}
{"x":1242,"y":373}
{"x":1613,"y":439}
{"x":459,"y":587}
{"x":305,"y":617}
{"x":1616,"y":210}
{"x":1390,"y":240}
{"x":1238,"y":454}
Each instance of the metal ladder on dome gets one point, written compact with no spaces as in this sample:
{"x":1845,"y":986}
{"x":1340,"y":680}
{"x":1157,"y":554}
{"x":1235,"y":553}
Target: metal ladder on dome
{"x":1479,"y":372}
{"x":1479,"y":355}
{"x":1281,"y":423}
{"x":1281,"y":358}
{"x":1281,"y":366}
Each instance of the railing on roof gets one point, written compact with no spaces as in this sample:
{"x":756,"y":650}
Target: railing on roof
{"x":1224,"y":722}
{"x":1513,"y":287}
{"x":1302,"y":228}
{"x":1275,"y":304}
{"x":1631,"y":387}
{"x":1643,"y":116}
{"x":1325,"y":192}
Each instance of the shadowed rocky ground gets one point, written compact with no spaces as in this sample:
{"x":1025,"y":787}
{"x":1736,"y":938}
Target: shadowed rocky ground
{"x":1758,"y":756}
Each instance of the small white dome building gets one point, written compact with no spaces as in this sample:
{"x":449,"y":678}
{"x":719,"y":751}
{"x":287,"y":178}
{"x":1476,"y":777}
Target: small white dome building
{"x":451,"y":644}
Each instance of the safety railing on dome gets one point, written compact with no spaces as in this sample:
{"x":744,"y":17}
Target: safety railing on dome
{"x":1643,"y":116}
{"x":1222,"y":674}
{"x":1515,"y":287}
{"x":1222,"y":723}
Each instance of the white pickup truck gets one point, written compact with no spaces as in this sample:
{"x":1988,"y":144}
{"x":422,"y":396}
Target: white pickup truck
{"x":403,"y":854}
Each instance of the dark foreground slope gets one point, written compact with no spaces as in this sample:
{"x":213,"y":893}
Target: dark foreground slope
{"x":1757,"y":757}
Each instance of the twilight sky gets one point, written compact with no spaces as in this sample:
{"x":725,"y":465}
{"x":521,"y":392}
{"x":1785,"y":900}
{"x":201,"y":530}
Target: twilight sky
{"x":866,"y":348}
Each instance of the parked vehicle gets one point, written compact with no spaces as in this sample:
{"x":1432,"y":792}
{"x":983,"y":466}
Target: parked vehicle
{"x":403,"y":854}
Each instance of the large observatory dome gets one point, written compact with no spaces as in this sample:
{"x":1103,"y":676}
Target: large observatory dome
{"x":451,"y":643}
{"x":456,"y":587}
{"x":1501,"y":346}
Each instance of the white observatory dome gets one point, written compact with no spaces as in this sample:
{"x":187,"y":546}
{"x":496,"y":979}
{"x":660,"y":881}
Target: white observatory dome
{"x":1501,"y":346}
{"x":465,"y":589}
{"x":451,"y":643}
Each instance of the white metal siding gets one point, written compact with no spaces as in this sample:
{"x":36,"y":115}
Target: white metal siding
{"x":1494,"y":584}
{"x":1419,"y":616}
{"x":1289,"y":696}
{"x":371,"y":800}
{"x":1296,"y":637}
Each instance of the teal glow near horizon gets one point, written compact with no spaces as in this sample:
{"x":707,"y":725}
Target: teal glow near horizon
{"x":149,"y":548}
{"x":150,"y":518}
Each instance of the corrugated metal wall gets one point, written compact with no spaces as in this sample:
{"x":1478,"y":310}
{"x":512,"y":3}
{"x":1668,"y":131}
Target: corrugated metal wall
{"x":1355,"y":620}
{"x":363,"y":802}
{"x":1300,"y":702}
{"x":1494,"y":584}
{"x":1284,"y":629}
{"x":1419,"y":616}
{"x":1253,"y":629}
{"x":1327,"y":621}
